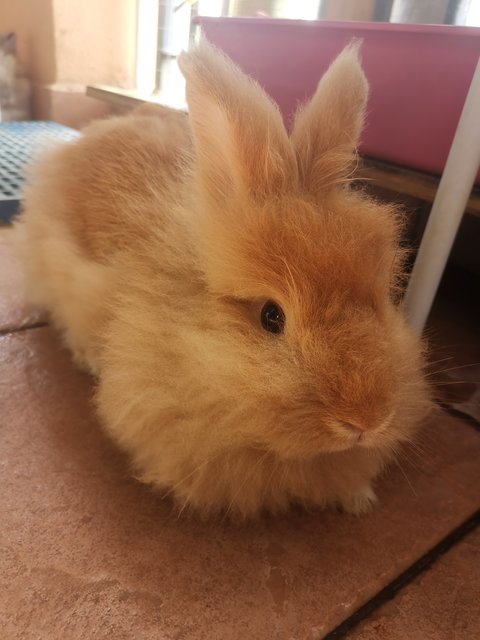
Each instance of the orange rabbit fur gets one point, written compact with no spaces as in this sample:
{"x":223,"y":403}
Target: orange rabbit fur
{"x":155,"y":241}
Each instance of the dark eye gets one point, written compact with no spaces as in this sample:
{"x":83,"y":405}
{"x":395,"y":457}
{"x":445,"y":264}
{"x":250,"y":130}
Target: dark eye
{"x":273,"y":318}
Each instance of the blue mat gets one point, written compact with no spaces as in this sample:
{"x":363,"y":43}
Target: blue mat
{"x":19,"y":143}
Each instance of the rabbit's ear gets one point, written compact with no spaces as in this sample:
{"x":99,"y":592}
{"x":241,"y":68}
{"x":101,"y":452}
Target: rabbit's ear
{"x":327,"y":129}
{"x":241,"y":144}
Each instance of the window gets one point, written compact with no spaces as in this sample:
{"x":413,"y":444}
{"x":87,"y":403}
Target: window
{"x":165,"y":27}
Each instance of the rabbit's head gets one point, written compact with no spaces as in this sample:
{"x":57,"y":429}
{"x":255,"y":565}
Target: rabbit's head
{"x":301,"y":268}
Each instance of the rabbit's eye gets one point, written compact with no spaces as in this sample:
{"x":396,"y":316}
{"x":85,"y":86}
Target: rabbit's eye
{"x":272,"y":317}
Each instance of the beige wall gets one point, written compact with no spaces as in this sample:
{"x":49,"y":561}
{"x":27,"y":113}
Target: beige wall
{"x":32,"y":21}
{"x":66,"y":44}
{"x":95,"y":41}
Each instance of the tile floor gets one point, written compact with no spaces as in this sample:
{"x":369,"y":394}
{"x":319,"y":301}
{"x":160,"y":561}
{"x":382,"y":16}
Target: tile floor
{"x":441,"y":603}
{"x":89,"y":553}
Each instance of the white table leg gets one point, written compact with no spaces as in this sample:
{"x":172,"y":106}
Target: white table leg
{"x":448,"y":208}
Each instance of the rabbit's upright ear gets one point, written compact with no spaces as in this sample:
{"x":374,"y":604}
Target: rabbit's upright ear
{"x":327,"y":129}
{"x":241,"y":144}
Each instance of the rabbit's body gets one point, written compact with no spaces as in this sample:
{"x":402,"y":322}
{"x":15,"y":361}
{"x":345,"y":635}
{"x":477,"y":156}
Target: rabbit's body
{"x":89,"y":201}
{"x":157,"y":259}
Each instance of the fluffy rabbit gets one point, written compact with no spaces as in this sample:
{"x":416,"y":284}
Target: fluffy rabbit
{"x":232,"y":293}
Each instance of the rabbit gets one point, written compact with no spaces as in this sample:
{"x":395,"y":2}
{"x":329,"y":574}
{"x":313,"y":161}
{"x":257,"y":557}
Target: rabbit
{"x":234,"y":296}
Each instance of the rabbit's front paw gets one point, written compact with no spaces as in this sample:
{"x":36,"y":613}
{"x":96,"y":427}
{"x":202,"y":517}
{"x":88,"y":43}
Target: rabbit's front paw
{"x":360,"y":502}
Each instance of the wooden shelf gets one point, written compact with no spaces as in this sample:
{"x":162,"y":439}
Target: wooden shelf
{"x":408,"y":182}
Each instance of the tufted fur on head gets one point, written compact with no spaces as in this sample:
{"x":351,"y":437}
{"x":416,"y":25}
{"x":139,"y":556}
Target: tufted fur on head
{"x":174,"y":238}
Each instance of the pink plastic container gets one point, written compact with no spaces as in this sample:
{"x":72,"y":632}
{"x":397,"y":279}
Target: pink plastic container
{"x":419,"y":76}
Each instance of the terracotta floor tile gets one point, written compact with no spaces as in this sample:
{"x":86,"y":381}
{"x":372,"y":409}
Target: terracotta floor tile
{"x":90,"y":553}
{"x":441,"y":604}
{"x":15,"y":313}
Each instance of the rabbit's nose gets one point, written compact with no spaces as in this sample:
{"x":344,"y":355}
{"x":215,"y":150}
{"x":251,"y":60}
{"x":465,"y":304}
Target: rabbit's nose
{"x":360,"y":425}
{"x":355,"y":427}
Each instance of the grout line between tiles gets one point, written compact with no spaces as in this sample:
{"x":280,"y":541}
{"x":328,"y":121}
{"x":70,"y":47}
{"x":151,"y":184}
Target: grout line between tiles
{"x":407,"y":576}
{"x":35,"y":325}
